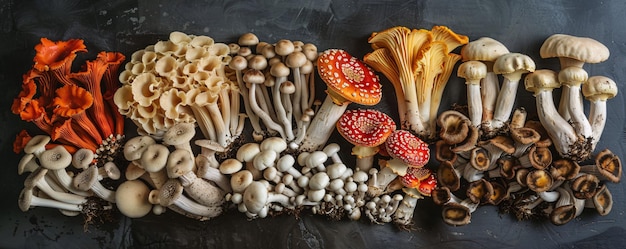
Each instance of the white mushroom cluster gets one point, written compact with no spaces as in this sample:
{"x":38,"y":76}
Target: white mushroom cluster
{"x":53,"y":183}
{"x":277,"y":83}
{"x":176,"y":179}
{"x":181,"y":80}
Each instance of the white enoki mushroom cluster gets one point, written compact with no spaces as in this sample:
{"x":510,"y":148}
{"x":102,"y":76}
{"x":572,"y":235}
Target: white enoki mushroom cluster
{"x":277,"y":82}
{"x":52,"y":183}
{"x":182,"y":80}
{"x":519,"y":173}
{"x":190,"y":185}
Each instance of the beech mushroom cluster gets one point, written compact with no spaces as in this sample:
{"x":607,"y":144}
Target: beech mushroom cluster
{"x":75,"y":109}
{"x":277,"y":84}
{"x":516,"y":171}
{"x":181,"y":80}
{"x":52,"y":183}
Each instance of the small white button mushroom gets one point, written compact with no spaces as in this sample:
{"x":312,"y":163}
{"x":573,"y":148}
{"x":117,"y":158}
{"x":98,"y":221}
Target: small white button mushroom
{"x":109,"y":170}
{"x":256,"y":198}
{"x":285,"y":164}
{"x":289,"y":181}
{"x":247,"y":152}
{"x":316,"y":160}
{"x":275,"y":144}
{"x":336,"y":170}
{"x":316,"y":195}
{"x":264,"y":159}
{"x":131,"y":199}
{"x":332,"y":151}
{"x":240,"y":181}
{"x":272,"y":174}
{"x":319,"y":181}
{"x":230,"y":166}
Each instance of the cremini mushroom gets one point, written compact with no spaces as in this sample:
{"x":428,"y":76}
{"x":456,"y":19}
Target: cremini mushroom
{"x":366,"y":129}
{"x":348,"y":80}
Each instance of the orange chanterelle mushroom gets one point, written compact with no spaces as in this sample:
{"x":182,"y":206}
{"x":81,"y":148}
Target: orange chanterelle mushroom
{"x":70,"y":106}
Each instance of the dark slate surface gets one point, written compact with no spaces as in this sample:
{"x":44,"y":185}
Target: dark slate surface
{"x":126,"y":25}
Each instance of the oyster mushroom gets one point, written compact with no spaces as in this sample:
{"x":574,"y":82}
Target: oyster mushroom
{"x":366,"y":129}
{"x":348,"y":80}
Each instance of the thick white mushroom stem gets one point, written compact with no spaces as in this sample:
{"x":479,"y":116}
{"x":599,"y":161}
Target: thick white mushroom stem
{"x":473,"y":72}
{"x":489,"y":91}
{"x":573,"y":78}
{"x":565,"y":140}
{"x":598,"y":90}
{"x":223,"y":135}
{"x":239,"y":63}
{"x":511,"y":66}
{"x":322,"y":125}
{"x":201,"y":114}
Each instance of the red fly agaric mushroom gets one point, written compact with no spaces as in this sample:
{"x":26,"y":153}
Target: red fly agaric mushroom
{"x":408,"y":148}
{"x":348,"y":80}
{"x":366,"y":129}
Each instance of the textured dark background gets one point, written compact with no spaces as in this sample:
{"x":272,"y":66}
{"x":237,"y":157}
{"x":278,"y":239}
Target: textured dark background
{"x":127,"y":25}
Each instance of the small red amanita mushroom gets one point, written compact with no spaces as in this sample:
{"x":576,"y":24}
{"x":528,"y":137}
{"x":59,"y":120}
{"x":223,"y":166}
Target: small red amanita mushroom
{"x":408,"y":148}
{"x":348,"y":80}
{"x":366,"y":129}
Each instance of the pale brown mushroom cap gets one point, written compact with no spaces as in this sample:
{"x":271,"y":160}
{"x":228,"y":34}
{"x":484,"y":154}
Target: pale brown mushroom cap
{"x":599,"y":88}
{"x":573,"y":76}
{"x":525,"y":135}
{"x":564,"y":169}
{"x":455,"y":126}
{"x":508,"y":165}
{"x":541,"y":79}
{"x":483,"y":49}
{"x":55,"y":158}
{"x":131,"y":199}
{"x":583,"y":49}
{"x":603,"y":201}
{"x":154,"y":157}
{"x":563,"y":214}
{"x":480,"y":191}
{"x":456,"y":214}
{"x":514,"y":63}
{"x":135,"y":146}
{"x":539,"y":180}
{"x":179,"y":162}
{"x":585,"y":186}
{"x":248,"y":39}
{"x":228,"y":166}
{"x":447,"y":177}
{"x":472,"y":71}
{"x":36,"y":144}
{"x":180,"y":133}
{"x":609,"y":165}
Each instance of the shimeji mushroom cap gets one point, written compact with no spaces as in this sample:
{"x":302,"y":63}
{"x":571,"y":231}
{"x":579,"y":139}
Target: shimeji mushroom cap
{"x":365,"y":127}
{"x":403,"y":145}
{"x":55,"y":158}
{"x":348,"y":79}
{"x":82,"y":158}
{"x":583,"y":49}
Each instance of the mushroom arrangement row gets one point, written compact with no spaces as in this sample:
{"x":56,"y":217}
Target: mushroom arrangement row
{"x":491,"y":154}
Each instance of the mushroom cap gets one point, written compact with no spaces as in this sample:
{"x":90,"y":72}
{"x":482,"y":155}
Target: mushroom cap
{"x":154,"y":157}
{"x":499,"y":193}
{"x":456,"y":214}
{"x":34,"y":177}
{"x":279,"y":69}
{"x":82,"y":158}
{"x":413,"y":177}
{"x":609,"y":165}
{"x":240,"y":180}
{"x":585,"y":186}
{"x":539,"y":180}
{"x":135,"y":146}
{"x":248,"y":39}
{"x":171,"y":190}
{"x":564,"y":169}
{"x":112,"y":171}
{"x":603,"y":200}
{"x":447,"y":177}
{"x":504,"y":143}
{"x":427,"y":185}
{"x":179,"y":162}
{"x":275,"y":144}
{"x":525,"y":135}
{"x":26,"y":164}
{"x":36,"y":144}
{"x":599,"y":88}
{"x":25,"y":198}
{"x":55,"y":158}
{"x":513,"y":63}
{"x":85,"y":179}
{"x":472,"y":71}
{"x":255,"y":197}
{"x":541,"y":79}
{"x":563,"y":214}
{"x":248,"y":151}
{"x":455,"y":126}
{"x":230,"y":166}
{"x":441,"y":195}
{"x":403,"y":145}
{"x":483,"y":49}
{"x":180,"y":133}
{"x":254,"y":76}
{"x":582,"y":49}
{"x":443,"y":152}
{"x":508,"y":164}
{"x":480,"y":158}
{"x":348,"y":77}
{"x":480,"y":191}
{"x":573,"y":76}
{"x":365,"y":127}
{"x":540,"y":157}
{"x":131,"y":199}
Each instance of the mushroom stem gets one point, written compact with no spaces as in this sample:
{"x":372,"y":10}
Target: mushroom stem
{"x":322,"y":125}
{"x":267,"y":120}
{"x":27,"y":200}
